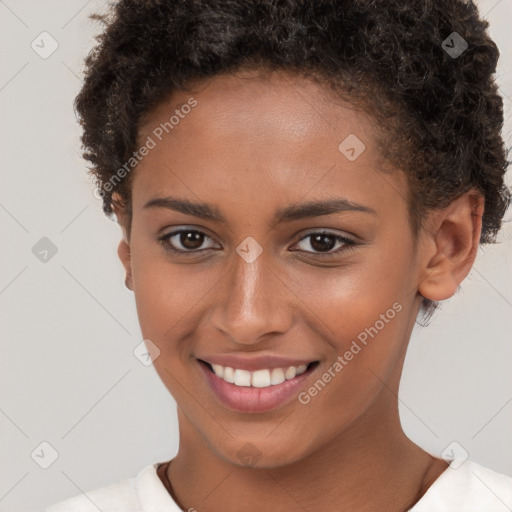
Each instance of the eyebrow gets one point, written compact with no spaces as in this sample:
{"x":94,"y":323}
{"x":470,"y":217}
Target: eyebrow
{"x":286,"y":214}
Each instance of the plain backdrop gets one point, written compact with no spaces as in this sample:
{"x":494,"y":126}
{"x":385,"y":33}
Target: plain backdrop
{"x":68,"y":375}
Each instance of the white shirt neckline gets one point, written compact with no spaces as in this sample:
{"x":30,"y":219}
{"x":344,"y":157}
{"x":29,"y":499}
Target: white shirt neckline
{"x":463,"y":488}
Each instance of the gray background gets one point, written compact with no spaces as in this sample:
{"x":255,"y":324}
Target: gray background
{"x":69,"y":327}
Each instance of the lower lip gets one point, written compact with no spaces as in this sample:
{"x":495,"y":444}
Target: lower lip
{"x":250,"y":399}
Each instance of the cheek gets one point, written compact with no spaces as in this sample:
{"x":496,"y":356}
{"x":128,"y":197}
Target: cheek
{"x":349,"y":299}
{"x":168,"y":308}
{"x":173,"y":303}
{"x":165,"y":303}
{"x":365,"y":318}
{"x":162,"y":296}
{"x":370,"y":338}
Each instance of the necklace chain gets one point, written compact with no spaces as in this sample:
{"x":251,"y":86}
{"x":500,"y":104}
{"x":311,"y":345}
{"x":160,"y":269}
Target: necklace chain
{"x":163,"y":468}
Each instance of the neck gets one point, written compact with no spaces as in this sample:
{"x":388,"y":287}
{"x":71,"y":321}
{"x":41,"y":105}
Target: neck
{"x":372,"y":465}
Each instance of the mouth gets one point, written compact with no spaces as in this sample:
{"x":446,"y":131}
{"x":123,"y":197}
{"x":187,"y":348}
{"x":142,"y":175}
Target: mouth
{"x":260,"y":378}
{"x":255,"y":391}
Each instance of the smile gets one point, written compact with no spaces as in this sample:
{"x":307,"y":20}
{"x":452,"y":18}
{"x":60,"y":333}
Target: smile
{"x":257,"y":379}
{"x":255,"y":391}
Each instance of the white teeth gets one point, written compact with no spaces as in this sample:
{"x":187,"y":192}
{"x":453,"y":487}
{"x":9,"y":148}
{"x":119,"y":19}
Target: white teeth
{"x":229,"y":374}
{"x":301,"y":369}
{"x":258,"y":378}
{"x":218,"y":369}
{"x":290,"y":373}
{"x":242,"y":378}
{"x":277,"y":376}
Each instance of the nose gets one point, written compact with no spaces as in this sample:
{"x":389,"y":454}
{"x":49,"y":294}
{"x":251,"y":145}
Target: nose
{"x":251,"y":303}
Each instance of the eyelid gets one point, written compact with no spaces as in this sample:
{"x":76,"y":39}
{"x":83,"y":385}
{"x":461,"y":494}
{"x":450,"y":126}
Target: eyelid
{"x":330,"y":232}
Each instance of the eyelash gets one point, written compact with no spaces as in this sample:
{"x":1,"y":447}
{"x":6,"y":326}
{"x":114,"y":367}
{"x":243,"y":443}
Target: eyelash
{"x":348,"y":243}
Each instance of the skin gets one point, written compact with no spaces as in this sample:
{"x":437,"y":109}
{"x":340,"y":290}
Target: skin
{"x":255,"y":143}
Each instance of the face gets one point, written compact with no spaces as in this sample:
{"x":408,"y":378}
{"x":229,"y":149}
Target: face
{"x":262,"y":280}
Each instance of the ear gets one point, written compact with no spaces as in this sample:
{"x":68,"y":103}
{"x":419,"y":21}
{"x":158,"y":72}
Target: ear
{"x":123,"y":249}
{"x":450,"y":245}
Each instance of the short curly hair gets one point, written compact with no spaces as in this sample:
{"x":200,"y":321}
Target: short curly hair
{"x":440,"y":111}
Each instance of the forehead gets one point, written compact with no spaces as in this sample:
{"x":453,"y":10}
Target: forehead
{"x":262,"y":104}
{"x":276,"y":135}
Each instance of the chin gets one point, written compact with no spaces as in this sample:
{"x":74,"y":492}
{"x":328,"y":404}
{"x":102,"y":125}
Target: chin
{"x":263,"y":453}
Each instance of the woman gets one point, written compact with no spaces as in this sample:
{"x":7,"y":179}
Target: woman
{"x":295,"y":182}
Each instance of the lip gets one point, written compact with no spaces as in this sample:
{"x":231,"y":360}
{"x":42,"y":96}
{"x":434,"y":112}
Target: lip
{"x":254,"y":363}
{"x":250,"y":399}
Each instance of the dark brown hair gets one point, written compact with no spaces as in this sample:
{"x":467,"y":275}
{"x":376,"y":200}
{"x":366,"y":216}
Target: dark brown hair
{"x":422,"y":68}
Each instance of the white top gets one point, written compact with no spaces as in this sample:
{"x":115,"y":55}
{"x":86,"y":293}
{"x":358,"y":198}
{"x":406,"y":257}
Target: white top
{"x":469,"y":488}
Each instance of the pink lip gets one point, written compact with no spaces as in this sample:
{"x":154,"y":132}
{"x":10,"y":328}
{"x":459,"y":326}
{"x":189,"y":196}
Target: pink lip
{"x":253,"y":400}
{"x":253,"y":363}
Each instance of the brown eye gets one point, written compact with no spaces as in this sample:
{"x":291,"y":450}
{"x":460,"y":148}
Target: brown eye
{"x":191,"y":239}
{"x":323,"y":243}
{"x":185,"y":241}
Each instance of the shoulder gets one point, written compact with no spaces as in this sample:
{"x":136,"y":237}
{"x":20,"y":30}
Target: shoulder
{"x":130,"y":495}
{"x":117,"y":497}
{"x":468,"y":487}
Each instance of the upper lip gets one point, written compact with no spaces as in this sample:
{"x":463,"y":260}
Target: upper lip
{"x":253,"y":363}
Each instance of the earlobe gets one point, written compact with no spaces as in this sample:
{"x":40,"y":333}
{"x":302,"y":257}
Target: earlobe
{"x":452,"y":242}
{"x":123,"y":251}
